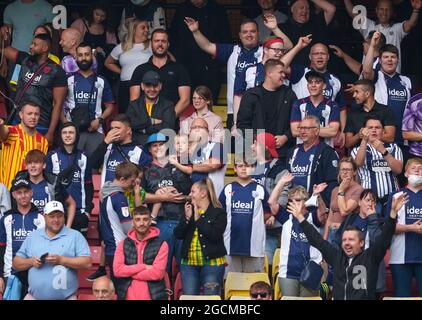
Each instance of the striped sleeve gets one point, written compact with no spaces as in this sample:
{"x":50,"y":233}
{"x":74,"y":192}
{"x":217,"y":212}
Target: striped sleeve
{"x":397,"y":153}
{"x":13,"y":134}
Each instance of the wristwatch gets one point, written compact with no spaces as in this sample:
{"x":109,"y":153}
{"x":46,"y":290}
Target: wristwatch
{"x":385,"y":153}
{"x":100,"y":120}
{"x":340,"y":194}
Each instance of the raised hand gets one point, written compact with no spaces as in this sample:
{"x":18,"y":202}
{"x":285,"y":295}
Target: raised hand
{"x":173,"y":160}
{"x":296,"y":209}
{"x":304,"y":41}
{"x":188,"y":211}
{"x":287,"y":178}
{"x":378,"y":145}
{"x":350,"y":88}
{"x":398,"y":202}
{"x":270,"y":21}
{"x":337,"y":51}
{"x":375,"y":38}
{"x":417,"y":227}
{"x":318,"y":188}
{"x":192,"y":24}
{"x":345,"y":184}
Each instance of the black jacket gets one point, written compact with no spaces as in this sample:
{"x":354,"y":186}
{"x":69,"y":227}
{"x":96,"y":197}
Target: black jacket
{"x":141,"y":122}
{"x":211,"y":227}
{"x":358,"y":280}
{"x":251,"y":113}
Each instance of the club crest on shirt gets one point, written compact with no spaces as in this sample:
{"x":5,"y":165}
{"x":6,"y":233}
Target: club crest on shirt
{"x":255,"y":194}
{"x":334,"y":163}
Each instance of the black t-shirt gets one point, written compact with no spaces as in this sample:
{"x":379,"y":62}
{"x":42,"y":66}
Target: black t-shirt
{"x":357,"y":116}
{"x":270,"y":113}
{"x":173,"y":75}
{"x":41,"y":89}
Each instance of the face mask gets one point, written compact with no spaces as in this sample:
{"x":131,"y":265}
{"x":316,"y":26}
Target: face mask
{"x":138,"y":2}
{"x":84,"y":65}
{"x":414,"y":180}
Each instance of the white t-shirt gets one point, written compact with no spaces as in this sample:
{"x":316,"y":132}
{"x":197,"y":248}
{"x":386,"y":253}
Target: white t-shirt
{"x":130,"y":59}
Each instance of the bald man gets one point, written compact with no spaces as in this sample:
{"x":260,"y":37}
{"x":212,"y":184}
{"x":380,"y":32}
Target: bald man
{"x":103,"y":289}
{"x":69,"y":41}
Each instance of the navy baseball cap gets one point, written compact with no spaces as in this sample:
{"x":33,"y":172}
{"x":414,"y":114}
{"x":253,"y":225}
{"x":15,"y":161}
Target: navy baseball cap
{"x":151,"y":77}
{"x":20,"y":183}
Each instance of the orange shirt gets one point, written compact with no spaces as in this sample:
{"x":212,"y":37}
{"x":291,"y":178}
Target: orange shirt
{"x":14,"y":151}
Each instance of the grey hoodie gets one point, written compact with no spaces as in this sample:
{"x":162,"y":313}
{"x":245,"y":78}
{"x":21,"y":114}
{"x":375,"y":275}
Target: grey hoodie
{"x":108,"y":189}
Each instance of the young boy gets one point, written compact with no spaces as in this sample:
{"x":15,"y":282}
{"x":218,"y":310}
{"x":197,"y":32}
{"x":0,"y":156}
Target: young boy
{"x":245,"y":202}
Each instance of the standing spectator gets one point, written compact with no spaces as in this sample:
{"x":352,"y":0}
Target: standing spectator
{"x":363,"y":93}
{"x":96,"y":30}
{"x":268,"y":7}
{"x":126,"y":56}
{"x":15,"y":148}
{"x":202,"y":100}
{"x":352,"y":264}
{"x":151,"y":112}
{"x":103,"y":288}
{"x":405,"y":260}
{"x":175,"y":79}
{"x":87,"y":93}
{"x":316,"y":104}
{"x":238,"y":57}
{"x":260,"y":290}
{"x":303,"y":22}
{"x":69,"y":161}
{"x":42,"y":81}
{"x":202,"y":68}
{"x":55,"y":277}
{"x":149,"y":10}
{"x":313,"y":162}
{"x":15,"y":226}
{"x":202,"y":229}
{"x":268,"y":106}
{"x":295,"y":250}
{"x":140,"y":261}
{"x":344,"y":198}
{"x":391,"y":88}
{"x":118,"y":147}
{"x":412,"y":125}
{"x":20,"y":19}
{"x":246,"y":202}
{"x":115,"y":219}
{"x":379,"y":163}
{"x":393,"y":32}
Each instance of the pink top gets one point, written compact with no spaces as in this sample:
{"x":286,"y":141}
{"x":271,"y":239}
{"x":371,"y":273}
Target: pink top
{"x":352,"y":193}
{"x":80,"y":25}
{"x":215,"y":125}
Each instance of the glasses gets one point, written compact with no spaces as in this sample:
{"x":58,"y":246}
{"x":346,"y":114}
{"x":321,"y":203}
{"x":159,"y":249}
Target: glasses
{"x":198,"y":127}
{"x":346,"y":170}
{"x":278,"y":50}
{"x":197,"y":98}
{"x":259,"y":294}
{"x":306,"y":128}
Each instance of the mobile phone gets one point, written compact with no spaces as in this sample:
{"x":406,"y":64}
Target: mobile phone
{"x":42,"y":258}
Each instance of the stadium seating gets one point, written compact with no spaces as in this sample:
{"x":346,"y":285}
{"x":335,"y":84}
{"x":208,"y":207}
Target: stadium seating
{"x":300,"y":298}
{"x":276,"y":287}
{"x":95,"y":254}
{"x":238,"y":284}
{"x":190,"y":297}
{"x":275,"y":265}
{"x":239,"y":298}
{"x":266,"y":266}
{"x":85,"y":296}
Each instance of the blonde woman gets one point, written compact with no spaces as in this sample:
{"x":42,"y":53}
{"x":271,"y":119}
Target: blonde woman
{"x":125,"y":57}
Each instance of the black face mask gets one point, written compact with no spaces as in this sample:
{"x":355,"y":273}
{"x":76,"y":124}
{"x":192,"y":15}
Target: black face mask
{"x":84,"y":65}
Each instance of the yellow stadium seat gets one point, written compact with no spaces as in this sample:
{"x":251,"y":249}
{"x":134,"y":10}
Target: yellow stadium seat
{"x":238,"y":283}
{"x":277,"y":292}
{"x":300,"y":298}
{"x":275,"y":265}
{"x":266,"y":267}
{"x":222,"y":95}
{"x":239,"y":298}
{"x":191,"y":297}
{"x":404,"y":298}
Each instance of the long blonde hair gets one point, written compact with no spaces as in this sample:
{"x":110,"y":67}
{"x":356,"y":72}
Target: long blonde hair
{"x":206,"y":184}
{"x":130,"y":36}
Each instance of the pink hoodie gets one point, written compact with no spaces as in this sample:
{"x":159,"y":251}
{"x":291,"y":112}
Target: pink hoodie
{"x":139,"y":272}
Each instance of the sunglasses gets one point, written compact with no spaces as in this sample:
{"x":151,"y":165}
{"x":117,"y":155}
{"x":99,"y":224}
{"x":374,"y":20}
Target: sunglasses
{"x":259,"y":294}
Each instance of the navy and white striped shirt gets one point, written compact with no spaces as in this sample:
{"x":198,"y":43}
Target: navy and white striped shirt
{"x":376,"y":173}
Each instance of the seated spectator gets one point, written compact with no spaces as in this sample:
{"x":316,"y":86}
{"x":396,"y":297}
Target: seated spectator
{"x":363,"y":93}
{"x":126,"y":56}
{"x":15,"y":226}
{"x":151,"y":112}
{"x":344,"y":198}
{"x":405,"y":259}
{"x":379,"y":163}
{"x":15,"y":148}
{"x":268,"y":7}
{"x":202,"y":102}
{"x":208,"y":158}
{"x":5,"y":203}
{"x":268,"y":106}
{"x":87,"y":93}
{"x":103,"y":288}
{"x":55,"y":277}
{"x":149,"y":10}
{"x":412,"y":125}
{"x":295,"y":250}
{"x":245,"y":202}
{"x":260,"y":290}
{"x":202,"y":228}
{"x":316,"y":104}
{"x":313,"y":162}
{"x":69,"y":162}
{"x":393,"y":32}
{"x":352,"y":263}
{"x":140,"y":261}
{"x":391,"y":88}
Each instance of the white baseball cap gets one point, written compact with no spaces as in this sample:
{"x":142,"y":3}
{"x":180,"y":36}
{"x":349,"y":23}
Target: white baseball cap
{"x":53,"y":206}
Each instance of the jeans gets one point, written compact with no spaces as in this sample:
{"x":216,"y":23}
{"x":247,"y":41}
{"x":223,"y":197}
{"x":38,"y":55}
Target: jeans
{"x":271,"y":244}
{"x":402,"y":278}
{"x":166,"y":228}
{"x":210,"y":278}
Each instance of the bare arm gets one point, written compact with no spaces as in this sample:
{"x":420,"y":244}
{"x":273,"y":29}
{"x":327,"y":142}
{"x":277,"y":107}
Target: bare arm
{"x":351,"y":139}
{"x":329,"y":9}
{"x":59,"y":94}
{"x":184,"y":99}
{"x":349,"y":8}
{"x":294,"y":127}
{"x":135,"y":92}
{"x":212,"y":164}
{"x":361,"y":154}
{"x":368,"y":62}
{"x":4,"y":131}
{"x":76,"y":263}
{"x":200,"y":39}
{"x":270,"y":21}
{"x":22,"y":264}
{"x":409,"y":24}
{"x":289,"y":56}
{"x":352,"y":64}
{"x":412,"y":136}
{"x":415,"y":227}
{"x":236,"y":105}
{"x":111,"y":65}
{"x":71,"y":210}
{"x":330,"y":131}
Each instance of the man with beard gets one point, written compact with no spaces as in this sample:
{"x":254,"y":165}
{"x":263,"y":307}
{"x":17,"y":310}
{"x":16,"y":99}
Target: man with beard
{"x":40,"y":80}
{"x":87,"y":92}
{"x":174,"y":77}
{"x":150,"y":113}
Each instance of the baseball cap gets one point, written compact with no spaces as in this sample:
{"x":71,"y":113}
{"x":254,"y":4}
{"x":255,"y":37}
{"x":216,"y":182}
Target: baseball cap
{"x":151,"y":77}
{"x":268,"y":140}
{"x":53,"y":206}
{"x":314,"y":74}
{"x":156,"y":137}
{"x":20,"y":183}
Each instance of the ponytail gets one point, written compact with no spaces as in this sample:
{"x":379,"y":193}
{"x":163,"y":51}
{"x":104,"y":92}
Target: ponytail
{"x":209,"y":186}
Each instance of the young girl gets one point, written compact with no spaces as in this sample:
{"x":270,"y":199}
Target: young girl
{"x":184,"y":149}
